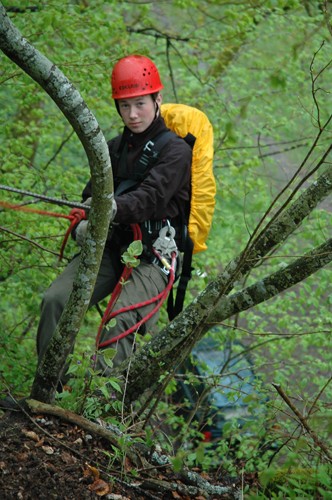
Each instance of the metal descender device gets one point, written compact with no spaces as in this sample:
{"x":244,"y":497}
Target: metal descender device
{"x":165,"y":246}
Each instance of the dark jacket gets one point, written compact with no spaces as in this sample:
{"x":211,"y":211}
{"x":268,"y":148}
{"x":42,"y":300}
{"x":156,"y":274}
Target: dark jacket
{"x":165,"y":191}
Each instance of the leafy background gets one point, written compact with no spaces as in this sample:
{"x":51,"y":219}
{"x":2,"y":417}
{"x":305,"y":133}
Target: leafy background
{"x":248,"y":66}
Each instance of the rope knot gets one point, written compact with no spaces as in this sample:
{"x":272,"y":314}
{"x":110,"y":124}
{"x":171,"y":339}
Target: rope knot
{"x":76,"y":215}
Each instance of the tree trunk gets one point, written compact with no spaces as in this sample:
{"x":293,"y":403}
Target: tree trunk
{"x":70,"y":102}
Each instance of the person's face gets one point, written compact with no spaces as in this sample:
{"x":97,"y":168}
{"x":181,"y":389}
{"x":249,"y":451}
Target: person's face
{"x":138,"y":113}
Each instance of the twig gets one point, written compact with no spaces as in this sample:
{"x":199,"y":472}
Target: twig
{"x":303,"y":422}
{"x":157,"y":34}
{"x":21,"y":237}
{"x":319,"y":395}
{"x":58,"y":150}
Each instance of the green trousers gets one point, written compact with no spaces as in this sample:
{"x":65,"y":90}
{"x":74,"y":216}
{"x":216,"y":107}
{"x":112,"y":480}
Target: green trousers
{"x":146,"y":281}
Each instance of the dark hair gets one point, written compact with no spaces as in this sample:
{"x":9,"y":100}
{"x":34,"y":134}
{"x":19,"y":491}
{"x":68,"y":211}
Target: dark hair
{"x":154,"y":98}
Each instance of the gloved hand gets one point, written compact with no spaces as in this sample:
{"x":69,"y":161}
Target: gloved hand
{"x":114,"y":209}
{"x":81,"y":229}
{"x":80,"y":232}
{"x":113,"y":214}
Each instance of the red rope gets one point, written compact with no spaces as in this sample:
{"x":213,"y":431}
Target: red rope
{"x":75,"y":216}
{"x":160,"y":298}
{"x":126,"y":273}
{"x":23,"y":208}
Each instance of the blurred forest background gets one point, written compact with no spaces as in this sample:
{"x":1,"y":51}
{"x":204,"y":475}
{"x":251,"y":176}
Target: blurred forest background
{"x":261,"y":71}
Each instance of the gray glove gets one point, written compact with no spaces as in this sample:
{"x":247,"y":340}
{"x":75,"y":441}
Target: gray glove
{"x":114,"y":209}
{"x":80,"y":232}
{"x":81,"y":229}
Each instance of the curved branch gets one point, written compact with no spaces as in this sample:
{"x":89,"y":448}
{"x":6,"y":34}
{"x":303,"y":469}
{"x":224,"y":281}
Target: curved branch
{"x":70,"y":102}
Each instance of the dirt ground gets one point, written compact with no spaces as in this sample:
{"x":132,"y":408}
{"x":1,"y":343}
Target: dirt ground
{"x":44,"y":457}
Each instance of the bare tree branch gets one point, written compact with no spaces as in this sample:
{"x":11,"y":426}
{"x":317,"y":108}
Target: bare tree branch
{"x":24,"y":238}
{"x":303,"y":421}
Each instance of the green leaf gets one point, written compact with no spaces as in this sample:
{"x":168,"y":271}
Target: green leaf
{"x":113,"y":382}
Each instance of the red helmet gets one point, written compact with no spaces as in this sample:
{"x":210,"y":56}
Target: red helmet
{"x":133,"y":76}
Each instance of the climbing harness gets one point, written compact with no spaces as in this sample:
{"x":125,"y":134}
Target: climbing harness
{"x":165,"y":250}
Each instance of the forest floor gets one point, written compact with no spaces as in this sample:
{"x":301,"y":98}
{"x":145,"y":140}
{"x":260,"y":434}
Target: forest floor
{"x":45,"y":457}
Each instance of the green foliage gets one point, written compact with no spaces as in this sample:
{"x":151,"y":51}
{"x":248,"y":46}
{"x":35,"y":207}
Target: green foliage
{"x":293,"y":482}
{"x":250,"y":69}
{"x":129,"y":257}
{"x":88,"y":392}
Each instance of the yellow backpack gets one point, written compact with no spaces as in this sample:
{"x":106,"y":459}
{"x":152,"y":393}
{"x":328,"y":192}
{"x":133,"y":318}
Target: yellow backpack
{"x":194,"y":127}
{"x":184,"y":120}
